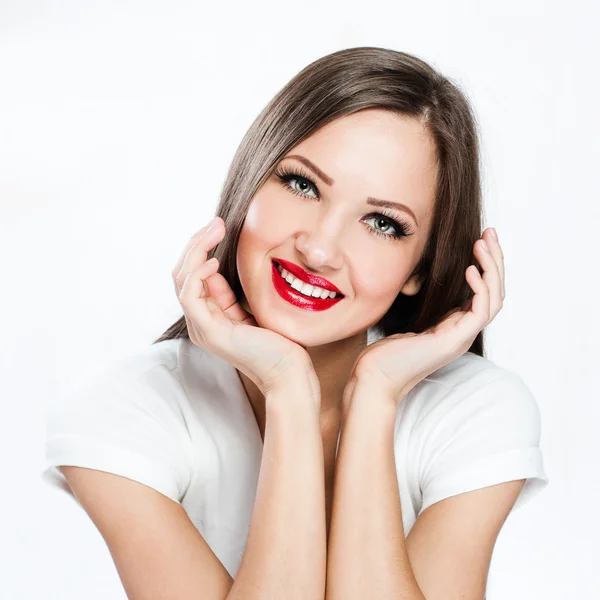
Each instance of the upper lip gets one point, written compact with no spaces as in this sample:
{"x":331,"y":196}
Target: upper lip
{"x":299,"y":272}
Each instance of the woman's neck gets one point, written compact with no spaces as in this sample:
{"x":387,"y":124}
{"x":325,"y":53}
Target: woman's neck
{"x":333,"y":364}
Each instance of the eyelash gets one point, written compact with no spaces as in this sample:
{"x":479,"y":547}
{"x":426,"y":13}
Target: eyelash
{"x":286,"y":174}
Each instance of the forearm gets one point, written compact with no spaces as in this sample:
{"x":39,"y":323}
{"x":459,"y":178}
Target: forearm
{"x":367,"y":555}
{"x":286,"y":550}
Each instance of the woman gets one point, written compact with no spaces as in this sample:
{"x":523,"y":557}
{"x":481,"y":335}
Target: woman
{"x":263,"y":446}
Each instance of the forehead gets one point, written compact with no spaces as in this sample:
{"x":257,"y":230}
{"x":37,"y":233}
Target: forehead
{"x":390,"y":156}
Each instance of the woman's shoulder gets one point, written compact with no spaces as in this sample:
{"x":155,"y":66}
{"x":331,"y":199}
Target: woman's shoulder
{"x":471,"y":424}
{"x":175,"y":376}
{"x":164,"y":367}
{"x":139,"y":382}
{"x":127,"y":416}
{"x":468,"y":372}
{"x":466,"y":367}
{"x":132,"y":364}
{"x":471,"y":384}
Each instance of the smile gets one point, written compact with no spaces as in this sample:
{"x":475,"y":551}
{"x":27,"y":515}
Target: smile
{"x":301,"y":294}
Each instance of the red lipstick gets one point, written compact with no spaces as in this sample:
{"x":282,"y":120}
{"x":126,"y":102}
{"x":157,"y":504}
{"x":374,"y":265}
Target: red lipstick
{"x":300,"y":273}
{"x":296,"y":298}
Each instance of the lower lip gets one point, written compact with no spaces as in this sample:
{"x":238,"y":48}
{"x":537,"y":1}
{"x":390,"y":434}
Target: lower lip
{"x":293,"y":297}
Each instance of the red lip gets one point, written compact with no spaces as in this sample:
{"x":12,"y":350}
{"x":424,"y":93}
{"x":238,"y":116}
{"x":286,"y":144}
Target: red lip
{"x":299,"y":272}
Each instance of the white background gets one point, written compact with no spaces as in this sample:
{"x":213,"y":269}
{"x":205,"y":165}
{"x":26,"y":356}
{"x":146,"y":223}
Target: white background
{"x":118,"y":122}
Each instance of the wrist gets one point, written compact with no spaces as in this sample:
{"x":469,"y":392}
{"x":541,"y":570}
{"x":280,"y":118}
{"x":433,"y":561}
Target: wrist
{"x":365,"y":391}
{"x":297,"y":390}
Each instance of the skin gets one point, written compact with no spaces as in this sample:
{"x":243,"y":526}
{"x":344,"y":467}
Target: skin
{"x":338,"y":244}
{"x":367,"y":554}
{"x":321,"y":222}
{"x":371,"y":153}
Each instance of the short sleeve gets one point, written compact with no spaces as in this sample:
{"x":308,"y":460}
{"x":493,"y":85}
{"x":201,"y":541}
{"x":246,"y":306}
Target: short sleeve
{"x":484,"y":433}
{"x":120,"y":423}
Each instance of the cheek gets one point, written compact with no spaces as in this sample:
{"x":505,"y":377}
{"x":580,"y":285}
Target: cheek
{"x":379,"y":284}
{"x":267,"y":221}
{"x":264,"y":228}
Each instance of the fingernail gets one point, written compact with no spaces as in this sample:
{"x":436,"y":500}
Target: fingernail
{"x":485,"y":246}
{"x":211,"y":224}
{"x":494,"y":234}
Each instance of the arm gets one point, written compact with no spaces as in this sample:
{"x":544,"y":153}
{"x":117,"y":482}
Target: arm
{"x":158,"y":552}
{"x":367,"y":555}
{"x":285,"y":553}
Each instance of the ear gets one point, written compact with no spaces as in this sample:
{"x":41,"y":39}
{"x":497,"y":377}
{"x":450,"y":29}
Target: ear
{"x":412,"y":285}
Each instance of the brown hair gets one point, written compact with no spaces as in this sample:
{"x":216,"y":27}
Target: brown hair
{"x":342,"y":83}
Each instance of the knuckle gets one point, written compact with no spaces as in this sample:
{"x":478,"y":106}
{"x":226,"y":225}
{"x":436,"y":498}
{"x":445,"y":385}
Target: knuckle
{"x":180,"y":279}
{"x":183,"y":296}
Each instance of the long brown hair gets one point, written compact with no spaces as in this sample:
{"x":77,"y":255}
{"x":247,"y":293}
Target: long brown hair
{"x":343,"y":83}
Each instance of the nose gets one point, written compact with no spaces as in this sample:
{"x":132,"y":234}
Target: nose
{"x":319,"y":246}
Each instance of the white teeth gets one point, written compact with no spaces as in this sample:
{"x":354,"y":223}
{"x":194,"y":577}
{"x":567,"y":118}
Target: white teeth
{"x":305,"y":288}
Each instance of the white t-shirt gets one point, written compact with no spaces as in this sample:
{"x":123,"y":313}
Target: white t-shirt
{"x":176,"y":417}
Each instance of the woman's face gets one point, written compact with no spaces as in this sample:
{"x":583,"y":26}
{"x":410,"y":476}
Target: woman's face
{"x":318,"y":217}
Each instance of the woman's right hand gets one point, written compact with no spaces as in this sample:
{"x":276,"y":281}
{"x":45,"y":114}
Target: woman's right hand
{"x":216,"y":321}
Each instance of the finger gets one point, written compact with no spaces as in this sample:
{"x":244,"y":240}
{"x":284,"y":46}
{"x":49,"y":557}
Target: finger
{"x":205,"y":271}
{"x":221,"y":291}
{"x":194,"y":331}
{"x":192,"y":242}
{"x":194,"y":299}
{"x":198,"y":252}
{"x":498,"y":255}
{"x":491,"y":277}
{"x":475,"y":319}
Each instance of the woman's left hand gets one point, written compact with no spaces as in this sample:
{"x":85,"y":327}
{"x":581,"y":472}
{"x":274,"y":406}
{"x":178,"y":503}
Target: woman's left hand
{"x":398,"y":362}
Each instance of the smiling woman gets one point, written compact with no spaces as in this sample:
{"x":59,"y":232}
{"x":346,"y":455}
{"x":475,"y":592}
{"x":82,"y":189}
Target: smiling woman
{"x":330,"y":228}
{"x":264,"y":442}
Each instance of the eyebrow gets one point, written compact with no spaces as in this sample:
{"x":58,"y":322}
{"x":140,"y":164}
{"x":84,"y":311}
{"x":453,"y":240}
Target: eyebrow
{"x":329,"y":181}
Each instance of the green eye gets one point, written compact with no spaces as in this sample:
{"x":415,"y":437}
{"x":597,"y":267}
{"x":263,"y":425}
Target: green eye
{"x":286,"y":175}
